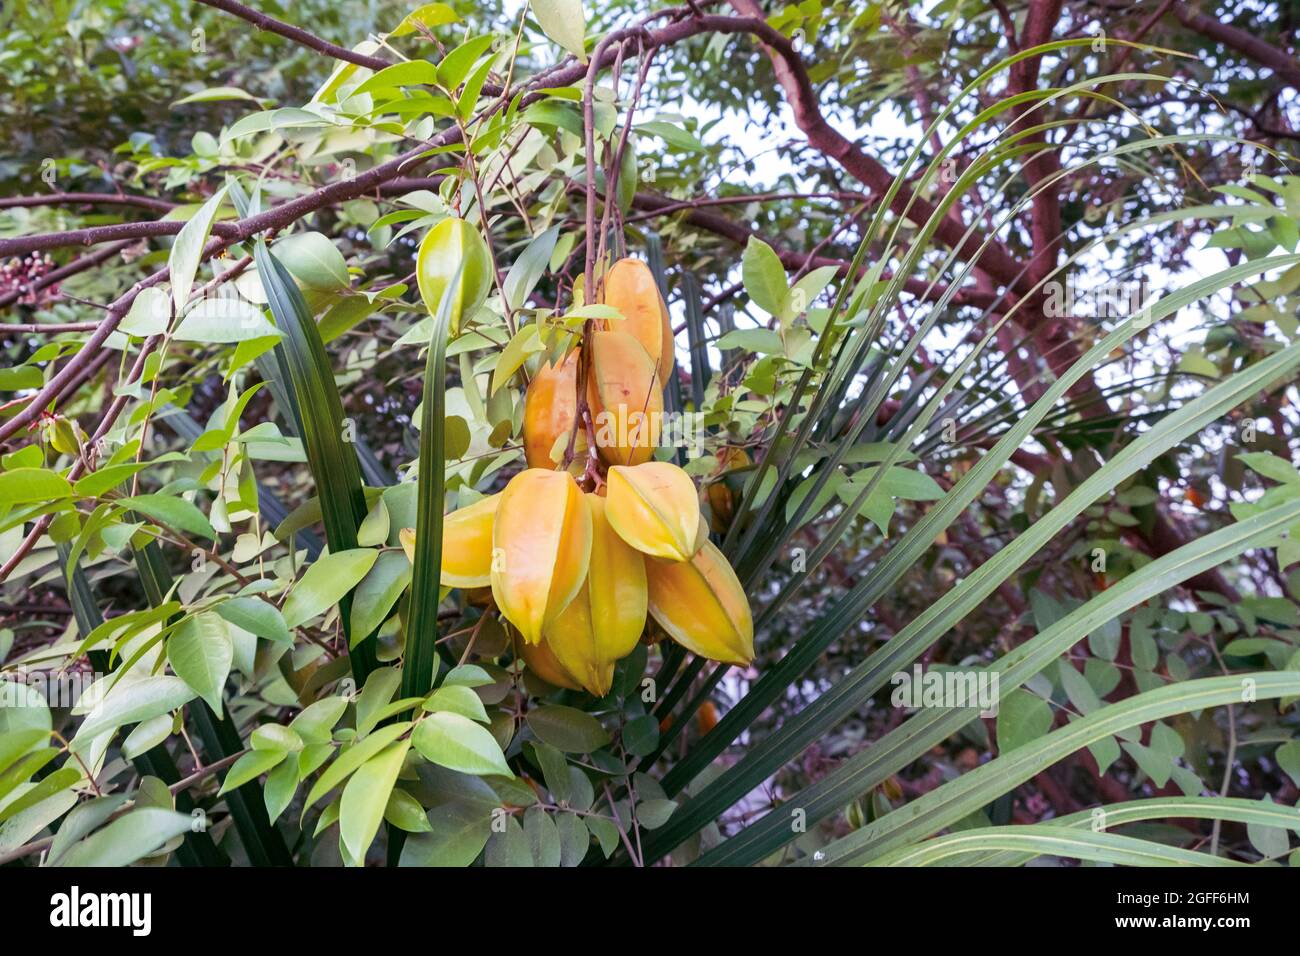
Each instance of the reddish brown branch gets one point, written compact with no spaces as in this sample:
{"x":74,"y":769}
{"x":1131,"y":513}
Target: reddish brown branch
{"x":89,"y":199}
{"x":93,"y":235}
{"x":793,"y":78}
{"x":1261,"y":51}
{"x":296,"y":34}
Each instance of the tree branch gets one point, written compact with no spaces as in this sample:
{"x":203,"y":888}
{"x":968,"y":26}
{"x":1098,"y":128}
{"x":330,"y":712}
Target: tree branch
{"x":1261,"y":51}
{"x":296,"y":34}
{"x":92,"y":199}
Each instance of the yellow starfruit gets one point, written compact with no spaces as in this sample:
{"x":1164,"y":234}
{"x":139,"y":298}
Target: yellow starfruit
{"x":466,"y":544}
{"x":626,"y":399}
{"x":702,"y":606}
{"x":542,"y":662}
{"x":630,"y":288}
{"x":550,"y":410}
{"x":654,"y":508}
{"x":602,"y":624}
{"x":720,"y":492}
{"x":541,"y":542}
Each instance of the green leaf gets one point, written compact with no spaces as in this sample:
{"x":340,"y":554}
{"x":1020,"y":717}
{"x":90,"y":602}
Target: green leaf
{"x":606,"y":833}
{"x":54,"y":783}
{"x":313,"y":259}
{"x":763,"y":276}
{"x":455,"y":66}
{"x":187,"y":250}
{"x":406,"y":813}
{"x":366,"y":797}
{"x":257,"y":617}
{"x":762,"y":341}
{"x":652,"y":814}
{"x":378,"y":591}
{"x":171,"y":511}
{"x":1271,"y":466}
{"x":216,"y":94}
{"x":409,"y":73}
{"x":222,"y":320}
{"x":276,"y":737}
{"x":25,"y":485}
{"x":149,"y":314}
{"x":641,"y":734}
{"x":1022,"y":717}
{"x":317,"y":720}
{"x":1043,"y":839}
{"x":380,"y":687}
{"x":543,"y":839}
{"x":564,"y":22}
{"x":201,"y":652}
{"x":457,"y":699}
{"x":135,"y":700}
{"x":249,"y":767}
{"x":128,"y":839}
{"x":567,"y":729}
{"x":458,"y":832}
{"x":521,"y":345}
{"x":353,"y":757}
{"x":529,"y":267}
{"x":671,"y":134}
{"x":326,"y":583}
{"x":426,"y":563}
{"x":281,"y":785}
{"x":22,"y":376}
{"x":804,"y":292}
{"x":147,"y":735}
{"x":1288,"y":758}
{"x":430,"y":15}
{"x":468,"y":675}
{"x":509,"y":848}
{"x":456,"y":742}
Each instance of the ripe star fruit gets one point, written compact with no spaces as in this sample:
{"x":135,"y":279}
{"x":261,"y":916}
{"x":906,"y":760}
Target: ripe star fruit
{"x":626,"y":399}
{"x":655,"y":509}
{"x":702,"y":606}
{"x":550,"y":410}
{"x":630,"y":288}
{"x":541,"y":542}
{"x":466,"y":544}
{"x":603,"y":623}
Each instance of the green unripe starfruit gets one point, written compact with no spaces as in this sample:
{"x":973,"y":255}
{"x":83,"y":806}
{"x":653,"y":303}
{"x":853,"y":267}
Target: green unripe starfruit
{"x":454,"y":246}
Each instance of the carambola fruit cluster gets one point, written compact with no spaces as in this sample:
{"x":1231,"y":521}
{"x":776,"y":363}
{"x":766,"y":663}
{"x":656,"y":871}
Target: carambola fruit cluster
{"x":577,"y":572}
